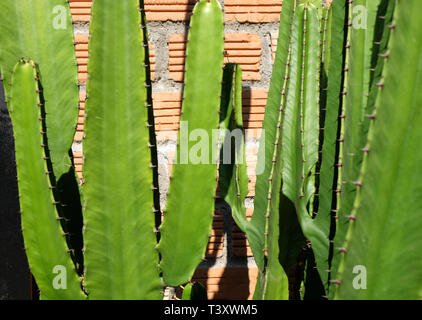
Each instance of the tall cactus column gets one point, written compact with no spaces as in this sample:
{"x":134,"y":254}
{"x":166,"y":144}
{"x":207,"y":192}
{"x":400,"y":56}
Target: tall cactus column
{"x":42,"y":30}
{"x":121,"y":260}
{"x":187,"y":223}
{"x":366,"y":49}
{"x":43,"y":236}
{"x":381,"y":257}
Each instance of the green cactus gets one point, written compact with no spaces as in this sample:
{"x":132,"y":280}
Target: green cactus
{"x":44,"y":238}
{"x":334,"y":146}
{"x":332,"y":78}
{"x":384,"y":233}
{"x":300,"y":129}
{"x":233,"y":178}
{"x":300,"y":142}
{"x":259,"y":237}
{"x":183,"y":248}
{"x":118,"y":228}
{"x":357,"y":88}
{"x":366,"y":48}
{"x":120,"y":258}
{"x":43,"y":31}
{"x":121,"y":261}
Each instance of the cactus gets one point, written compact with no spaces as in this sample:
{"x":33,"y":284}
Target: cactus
{"x":233,"y":178}
{"x":356,"y":91}
{"x":259,"y":237}
{"x":44,"y":239}
{"x":43,"y":31}
{"x":334,"y":146}
{"x":204,"y":64}
{"x":384,"y":233}
{"x":45,"y":34}
{"x":300,"y":128}
{"x":120,"y":259}
{"x":300,"y":143}
{"x":365,"y":55}
{"x":332,"y":78}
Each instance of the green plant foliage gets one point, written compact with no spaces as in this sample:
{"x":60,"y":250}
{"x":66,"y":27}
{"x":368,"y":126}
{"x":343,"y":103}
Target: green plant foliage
{"x":271,"y":128}
{"x":332,"y":78}
{"x":358,"y":87}
{"x":300,"y":125}
{"x":120,"y":256}
{"x":42,"y":30}
{"x":368,"y":37}
{"x":187,"y":224}
{"x":233,"y":178}
{"x":384,"y":235}
{"x":43,"y":236}
{"x":339,"y":196}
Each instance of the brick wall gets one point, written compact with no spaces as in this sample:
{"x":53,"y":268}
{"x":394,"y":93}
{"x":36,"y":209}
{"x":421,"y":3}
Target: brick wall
{"x":250,"y":39}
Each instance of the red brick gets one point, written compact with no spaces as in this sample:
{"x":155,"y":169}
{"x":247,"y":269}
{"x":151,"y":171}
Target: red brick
{"x":253,"y":11}
{"x":241,"y":48}
{"x":156,"y":10}
{"x":231,"y":283}
{"x":81,"y":48}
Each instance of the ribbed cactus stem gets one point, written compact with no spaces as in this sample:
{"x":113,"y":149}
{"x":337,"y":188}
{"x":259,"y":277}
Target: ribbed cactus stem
{"x":332,"y":79}
{"x":233,"y":178}
{"x":195,"y":173}
{"x":271,"y":126}
{"x":356,"y":92}
{"x":364,"y":66}
{"x":384,"y":229}
{"x":45,"y":240}
{"x":43,"y":31}
{"x":119,"y":212}
{"x":301,"y":127}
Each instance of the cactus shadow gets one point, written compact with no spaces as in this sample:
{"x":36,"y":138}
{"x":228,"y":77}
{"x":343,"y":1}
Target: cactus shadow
{"x":226,"y":275}
{"x":14,"y":269}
